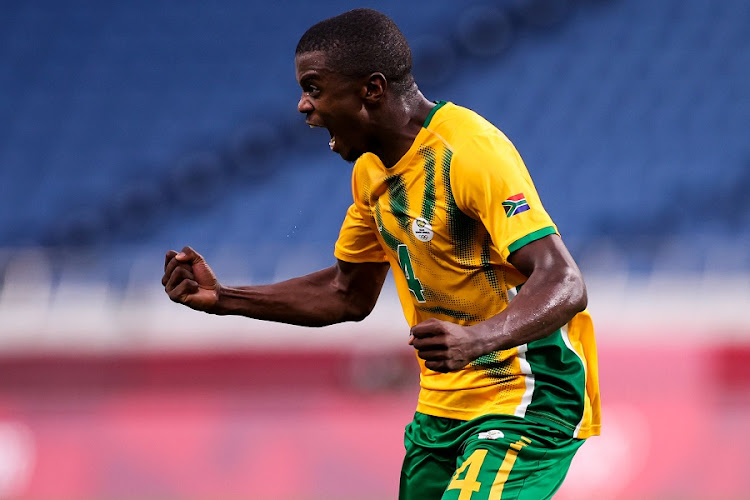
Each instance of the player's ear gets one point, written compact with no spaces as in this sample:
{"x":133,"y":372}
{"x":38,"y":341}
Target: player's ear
{"x":374,"y":88}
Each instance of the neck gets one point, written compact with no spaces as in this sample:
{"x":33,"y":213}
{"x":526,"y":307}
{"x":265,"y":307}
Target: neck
{"x":400,"y":126}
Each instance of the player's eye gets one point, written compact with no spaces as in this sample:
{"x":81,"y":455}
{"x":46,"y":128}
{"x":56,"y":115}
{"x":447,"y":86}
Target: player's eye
{"x":312,"y":90}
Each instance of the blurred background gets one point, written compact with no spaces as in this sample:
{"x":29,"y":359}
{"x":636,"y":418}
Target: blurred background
{"x":130,"y":128}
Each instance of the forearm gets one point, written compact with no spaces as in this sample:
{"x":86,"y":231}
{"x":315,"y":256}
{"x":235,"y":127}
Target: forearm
{"x":544,"y":304}
{"x":342,"y":292}
{"x":311,"y":300}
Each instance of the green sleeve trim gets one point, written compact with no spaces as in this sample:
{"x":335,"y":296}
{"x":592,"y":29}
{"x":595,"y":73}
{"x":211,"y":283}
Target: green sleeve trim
{"x":439,"y":104}
{"x":538,"y":234}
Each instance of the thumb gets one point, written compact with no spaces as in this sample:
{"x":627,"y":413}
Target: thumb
{"x":204,"y":275}
{"x":188,"y":255}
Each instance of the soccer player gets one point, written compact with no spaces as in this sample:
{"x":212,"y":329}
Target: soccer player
{"x":496,"y":304}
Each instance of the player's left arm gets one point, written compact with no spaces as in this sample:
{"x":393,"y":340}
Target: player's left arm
{"x":552,"y":295}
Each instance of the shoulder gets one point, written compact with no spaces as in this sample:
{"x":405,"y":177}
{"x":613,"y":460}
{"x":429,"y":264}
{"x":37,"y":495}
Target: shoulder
{"x":470,"y":137}
{"x":483,"y":158}
{"x":457,"y":124}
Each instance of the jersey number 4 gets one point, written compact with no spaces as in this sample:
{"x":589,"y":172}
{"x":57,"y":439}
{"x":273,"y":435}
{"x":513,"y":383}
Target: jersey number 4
{"x":412,"y":281}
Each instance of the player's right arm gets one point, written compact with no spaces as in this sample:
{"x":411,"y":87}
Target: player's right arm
{"x":342,"y":292}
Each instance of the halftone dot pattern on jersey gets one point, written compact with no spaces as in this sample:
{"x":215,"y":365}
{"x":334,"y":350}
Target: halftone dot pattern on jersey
{"x":388,"y":238}
{"x":496,"y":368}
{"x":455,"y":306}
{"x":428,"y":204}
{"x":460,"y":315}
{"x":366,"y":191}
{"x":489,"y":269}
{"x":461,"y":227}
{"x":463,"y":231}
{"x":398,"y":200}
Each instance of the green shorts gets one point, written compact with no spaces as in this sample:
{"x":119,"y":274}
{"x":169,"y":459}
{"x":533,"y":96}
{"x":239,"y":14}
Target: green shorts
{"x":494,"y":457}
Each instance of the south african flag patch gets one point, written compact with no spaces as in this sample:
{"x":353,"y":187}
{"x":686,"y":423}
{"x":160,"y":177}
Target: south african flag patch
{"x":515,"y":205}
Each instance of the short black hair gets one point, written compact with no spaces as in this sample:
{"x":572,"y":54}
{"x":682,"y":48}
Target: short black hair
{"x":361,"y":42}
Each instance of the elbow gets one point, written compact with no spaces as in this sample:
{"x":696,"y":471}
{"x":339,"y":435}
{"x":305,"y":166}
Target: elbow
{"x":355,"y":304}
{"x":358,"y":317}
{"x":571,"y":296}
{"x":582,"y":301}
{"x":358,"y":311}
{"x":350,"y":306}
{"x":577,"y":293}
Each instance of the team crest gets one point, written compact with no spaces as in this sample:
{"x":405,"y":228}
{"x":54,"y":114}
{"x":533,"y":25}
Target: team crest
{"x":515,"y":205}
{"x":422,"y":229}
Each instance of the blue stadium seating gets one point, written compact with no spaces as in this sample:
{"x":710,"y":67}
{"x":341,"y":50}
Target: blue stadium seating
{"x":631,"y":115}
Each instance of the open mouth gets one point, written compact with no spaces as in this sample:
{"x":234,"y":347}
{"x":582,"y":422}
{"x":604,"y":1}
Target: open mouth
{"x":332,"y":141}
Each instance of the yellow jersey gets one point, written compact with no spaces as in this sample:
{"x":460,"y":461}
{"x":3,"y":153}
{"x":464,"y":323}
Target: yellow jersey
{"x":446,"y":217}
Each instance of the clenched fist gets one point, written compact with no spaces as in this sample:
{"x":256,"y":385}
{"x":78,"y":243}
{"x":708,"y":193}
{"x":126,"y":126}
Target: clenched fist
{"x":444,"y":346}
{"x":188,"y":280}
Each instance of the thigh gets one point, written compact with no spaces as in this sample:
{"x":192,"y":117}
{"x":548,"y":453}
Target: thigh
{"x":424,"y":474}
{"x":501,"y":465}
{"x":430,"y":460}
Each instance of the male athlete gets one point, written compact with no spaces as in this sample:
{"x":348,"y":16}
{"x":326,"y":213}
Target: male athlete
{"x":495,"y":302}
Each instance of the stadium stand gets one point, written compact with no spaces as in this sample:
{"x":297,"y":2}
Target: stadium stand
{"x":631,"y":116}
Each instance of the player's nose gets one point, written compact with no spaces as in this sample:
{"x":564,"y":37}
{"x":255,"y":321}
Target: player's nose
{"x":304,"y":105}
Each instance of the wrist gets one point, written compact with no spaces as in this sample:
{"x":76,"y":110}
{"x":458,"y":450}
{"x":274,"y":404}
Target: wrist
{"x":223,"y":300}
{"x":488,"y":335}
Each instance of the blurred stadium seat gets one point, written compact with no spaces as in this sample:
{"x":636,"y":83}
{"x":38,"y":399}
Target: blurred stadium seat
{"x":626,"y":116}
